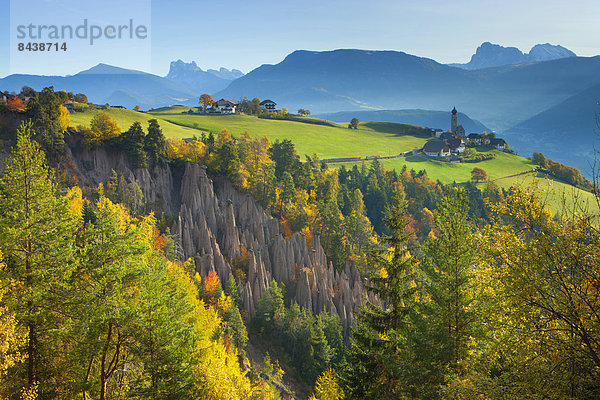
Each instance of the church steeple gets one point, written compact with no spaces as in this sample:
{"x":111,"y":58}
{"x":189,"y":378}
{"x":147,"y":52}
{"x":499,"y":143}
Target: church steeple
{"x":454,"y":121}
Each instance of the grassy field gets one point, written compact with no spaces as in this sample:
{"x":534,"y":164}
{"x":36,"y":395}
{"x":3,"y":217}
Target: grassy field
{"x":372,"y":138}
{"x":503,"y":165}
{"x":555,"y":194}
{"x":127,"y":117}
{"x":309,"y":138}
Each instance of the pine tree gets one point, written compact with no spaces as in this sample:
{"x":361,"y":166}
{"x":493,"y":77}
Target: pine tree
{"x":35,"y":237}
{"x":155,"y":143}
{"x":231,"y":290}
{"x":380,"y":358}
{"x":45,"y":111}
{"x":236,"y":328}
{"x":447,"y":266}
{"x":133,"y":142}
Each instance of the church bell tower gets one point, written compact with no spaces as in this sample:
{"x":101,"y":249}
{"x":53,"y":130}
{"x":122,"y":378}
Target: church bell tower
{"x":454,"y":120}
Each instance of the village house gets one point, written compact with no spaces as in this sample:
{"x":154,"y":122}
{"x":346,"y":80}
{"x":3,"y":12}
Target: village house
{"x":3,"y":98}
{"x":436,"y":133}
{"x":498,"y":143}
{"x":225,"y":106}
{"x":456,"y":144}
{"x":268,"y":105}
{"x":436,"y":148}
{"x":476,"y":138}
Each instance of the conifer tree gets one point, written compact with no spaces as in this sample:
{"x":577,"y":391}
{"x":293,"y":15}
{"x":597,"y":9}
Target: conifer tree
{"x":35,"y":236}
{"x":155,"y":143}
{"x":380,"y":358}
{"x":133,"y":142}
{"x":447,"y":267}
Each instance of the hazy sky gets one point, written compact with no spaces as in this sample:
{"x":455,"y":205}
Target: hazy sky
{"x":245,"y":34}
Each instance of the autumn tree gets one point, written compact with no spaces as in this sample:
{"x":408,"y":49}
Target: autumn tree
{"x":478,"y":175}
{"x":35,"y":237}
{"x":206,"y":101}
{"x":327,"y":387}
{"x":537,"y":295}
{"x":102,"y":127}
{"x":15,"y":104}
{"x":80,"y":98}
{"x":11,"y":338}
{"x":64,"y":118}
{"x":303,"y":112}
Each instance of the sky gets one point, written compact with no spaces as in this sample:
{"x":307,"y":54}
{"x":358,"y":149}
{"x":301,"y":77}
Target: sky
{"x":246,"y":34}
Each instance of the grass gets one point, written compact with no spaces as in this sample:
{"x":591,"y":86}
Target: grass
{"x":503,"y":165}
{"x":309,"y":138}
{"x":560,"y":197}
{"x":372,"y":138}
{"x":127,"y":117}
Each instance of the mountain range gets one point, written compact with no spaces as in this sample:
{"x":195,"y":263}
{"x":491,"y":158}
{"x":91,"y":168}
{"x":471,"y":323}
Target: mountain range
{"x":540,"y":99}
{"x":193,"y":77}
{"x":569,"y":131}
{"x":490,"y":55}
{"x":346,"y":80}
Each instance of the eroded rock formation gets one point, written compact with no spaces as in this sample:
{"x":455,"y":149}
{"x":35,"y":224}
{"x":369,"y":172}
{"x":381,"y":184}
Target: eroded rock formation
{"x":215,"y":224}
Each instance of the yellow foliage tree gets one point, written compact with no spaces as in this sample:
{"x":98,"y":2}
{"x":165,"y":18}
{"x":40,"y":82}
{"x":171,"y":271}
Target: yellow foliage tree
{"x":327,"y":387}
{"x":102,"y":127}
{"x":64,"y":118}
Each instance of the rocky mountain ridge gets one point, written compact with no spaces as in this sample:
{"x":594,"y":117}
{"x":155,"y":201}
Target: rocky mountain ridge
{"x":490,"y":55}
{"x":193,"y":77}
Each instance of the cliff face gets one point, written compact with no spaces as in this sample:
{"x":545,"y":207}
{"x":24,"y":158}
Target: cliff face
{"x":215,"y":224}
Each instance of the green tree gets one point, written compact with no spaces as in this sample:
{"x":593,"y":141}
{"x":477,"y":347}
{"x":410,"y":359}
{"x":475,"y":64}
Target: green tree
{"x":236,"y":328}
{"x":44,"y":109}
{"x":133,"y":143}
{"x":35,"y":237}
{"x":285,"y":157}
{"x":447,"y":266}
{"x":353,"y":123}
{"x":155,"y":143}
{"x":114,"y":256}
{"x":381,"y":359}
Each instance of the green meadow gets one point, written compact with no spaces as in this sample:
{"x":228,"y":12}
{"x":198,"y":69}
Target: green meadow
{"x":309,"y":138}
{"x":372,"y":138}
{"x":127,"y":117}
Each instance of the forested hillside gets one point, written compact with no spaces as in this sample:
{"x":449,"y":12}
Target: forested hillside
{"x":138,"y":266}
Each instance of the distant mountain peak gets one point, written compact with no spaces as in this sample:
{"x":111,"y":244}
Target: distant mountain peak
{"x":547,"y":51}
{"x":490,"y":55}
{"x":180,"y":67}
{"x":190,"y":75}
{"x":106,"y":69}
{"x":224,"y":73}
